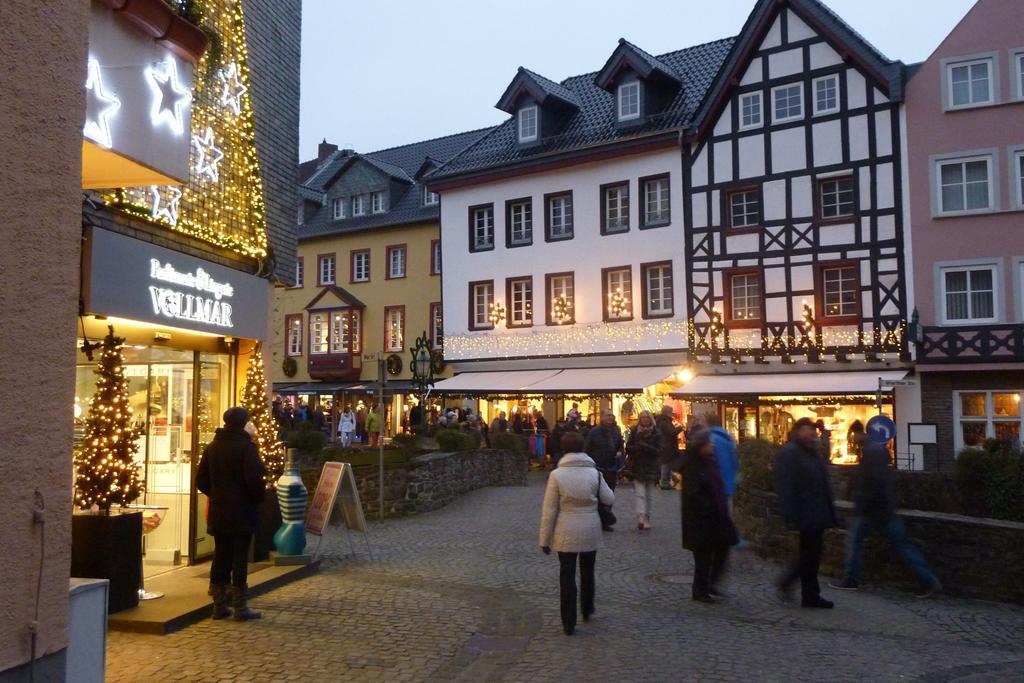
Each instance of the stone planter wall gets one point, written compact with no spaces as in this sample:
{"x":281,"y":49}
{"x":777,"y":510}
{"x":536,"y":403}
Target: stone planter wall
{"x":431,"y":481}
{"x":972,"y":556}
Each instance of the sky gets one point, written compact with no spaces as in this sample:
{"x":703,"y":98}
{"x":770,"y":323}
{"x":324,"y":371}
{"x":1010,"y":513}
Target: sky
{"x":381,"y":74}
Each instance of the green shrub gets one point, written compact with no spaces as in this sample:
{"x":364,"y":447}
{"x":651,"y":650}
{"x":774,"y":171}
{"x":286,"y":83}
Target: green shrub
{"x":990,"y":481}
{"x":508,"y":441}
{"x":303,"y":437}
{"x":757,"y":464}
{"x":454,"y":440}
{"x":409,"y":443}
{"x":362,"y":455}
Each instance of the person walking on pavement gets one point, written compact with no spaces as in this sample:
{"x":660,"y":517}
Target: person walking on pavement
{"x":669,"y":459}
{"x":643,"y":449}
{"x":373,"y":425}
{"x":346,"y":426}
{"x":805,"y":495}
{"x":708,"y":531}
{"x":725,"y":453}
{"x":570,"y":525}
{"x":874,"y":501}
{"x":604,"y":444}
{"x":232,"y":475}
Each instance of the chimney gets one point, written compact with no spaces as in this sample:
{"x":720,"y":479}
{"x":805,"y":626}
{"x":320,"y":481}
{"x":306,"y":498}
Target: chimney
{"x":325,"y":149}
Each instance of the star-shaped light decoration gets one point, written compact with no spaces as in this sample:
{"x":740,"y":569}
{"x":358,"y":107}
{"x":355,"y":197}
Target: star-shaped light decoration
{"x":165,"y":203}
{"x":100,"y":105}
{"x":231,"y":87}
{"x":169,"y":99}
{"x":208,"y":155}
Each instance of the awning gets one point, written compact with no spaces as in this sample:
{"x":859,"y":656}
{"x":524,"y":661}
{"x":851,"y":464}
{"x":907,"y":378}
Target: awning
{"x":787,"y":383}
{"x":603,"y":380}
{"x":314,"y":387}
{"x":507,"y":382}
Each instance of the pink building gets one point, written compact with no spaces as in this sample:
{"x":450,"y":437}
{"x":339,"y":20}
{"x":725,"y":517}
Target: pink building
{"x":965,"y":161}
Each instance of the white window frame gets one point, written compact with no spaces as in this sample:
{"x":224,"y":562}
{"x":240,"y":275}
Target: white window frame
{"x":396,"y":263}
{"x":775,"y":96}
{"x":1016,"y":157}
{"x":377,"y":202}
{"x":301,"y":217}
{"x":338,"y":208}
{"x":482,"y":316}
{"x":528,"y":129}
{"x":361,"y":266}
{"x":988,"y":157}
{"x":948,"y":65}
{"x":619,"y":279}
{"x":624,"y":91}
{"x":854,"y":281}
{"x":394,"y":320}
{"x":750,"y":96}
{"x":563,"y":227}
{"x":430,"y":198}
{"x":300,"y":272}
{"x":520,"y":303}
{"x":358,"y":205}
{"x":436,"y":326}
{"x":814,"y":89}
{"x":989,"y":419}
{"x":943,"y":269}
{"x":486,"y":225}
{"x":746,"y":297}
{"x":822,"y":181}
{"x":1017,"y":62}
{"x":620,"y":193}
{"x":319,"y":333}
{"x":340,"y":331}
{"x":435,"y":262}
{"x":661,"y":199}
{"x":521,"y":224}
{"x":662,"y":276}
{"x":295,"y":336}
{"x":731,"y":207}
{"x":328,"y":264}
{"x":563,"y":286}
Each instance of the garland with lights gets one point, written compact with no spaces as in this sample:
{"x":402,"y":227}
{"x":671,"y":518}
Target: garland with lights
{"x":105,"y":470}
{"x":256,"y":400}
{"x":222,"y":202}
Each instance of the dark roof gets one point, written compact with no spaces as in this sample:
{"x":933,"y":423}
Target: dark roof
{"x":401,"y":163}
{"x":645,"y":62}
{"x":542,"y":89}
{"x":346,"y":296}
{"x":594,"y":122}
{"x":819,"y":17}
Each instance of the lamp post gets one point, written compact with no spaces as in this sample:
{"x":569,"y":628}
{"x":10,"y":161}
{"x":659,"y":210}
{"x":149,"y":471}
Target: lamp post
{"x":422,"y":372}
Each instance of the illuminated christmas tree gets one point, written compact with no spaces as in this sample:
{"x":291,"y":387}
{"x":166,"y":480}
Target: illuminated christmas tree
{"x":222,"y":202}
{"x":257,"y":402}
{"x":106,"y":473}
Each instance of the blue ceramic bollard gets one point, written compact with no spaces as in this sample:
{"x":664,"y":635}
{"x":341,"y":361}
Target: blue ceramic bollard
{"x":290,"y":539}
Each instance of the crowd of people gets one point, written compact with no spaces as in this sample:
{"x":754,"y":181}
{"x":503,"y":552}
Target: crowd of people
{"x":580,"y":495}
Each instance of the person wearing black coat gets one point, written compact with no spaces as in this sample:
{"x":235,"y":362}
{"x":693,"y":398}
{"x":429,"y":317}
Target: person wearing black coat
{"x":873,"y":489}
{"x":604,"y":445}
{"x":643,"y":448}
{"x":232,"y":475}
{"x":805,"y":495}
{"x":708,"y":531}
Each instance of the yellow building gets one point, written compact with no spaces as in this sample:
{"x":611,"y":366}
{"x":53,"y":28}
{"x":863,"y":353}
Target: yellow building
{"x":368,"y":279}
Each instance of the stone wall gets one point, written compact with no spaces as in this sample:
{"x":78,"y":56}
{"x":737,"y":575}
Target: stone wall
{"x":431,"y":481}
{"x":972,"y":556}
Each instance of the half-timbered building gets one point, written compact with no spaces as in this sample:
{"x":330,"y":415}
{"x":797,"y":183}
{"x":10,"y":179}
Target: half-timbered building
{"x":796,"y":277}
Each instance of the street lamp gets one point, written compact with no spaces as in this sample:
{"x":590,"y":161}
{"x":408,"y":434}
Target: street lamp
{"x":422,"y":372}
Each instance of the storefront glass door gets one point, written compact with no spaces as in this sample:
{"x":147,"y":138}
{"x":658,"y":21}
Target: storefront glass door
{"x":213,"y":398}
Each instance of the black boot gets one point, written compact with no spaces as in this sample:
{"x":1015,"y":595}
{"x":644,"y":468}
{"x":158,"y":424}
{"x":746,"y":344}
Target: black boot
{"x":238,"y":602}
{"x":219,"y":593}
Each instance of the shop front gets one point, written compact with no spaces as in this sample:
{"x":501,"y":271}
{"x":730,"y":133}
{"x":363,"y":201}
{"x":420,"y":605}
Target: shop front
{"x":333,"y":397}
{"x":187,"y":324}
{"x":765,"y":406}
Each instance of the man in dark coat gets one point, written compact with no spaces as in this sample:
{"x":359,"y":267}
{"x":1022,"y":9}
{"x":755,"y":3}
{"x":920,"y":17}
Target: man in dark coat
{"x":669,"y":445}
{"x":805,"y":495}
{"x":232,"y":475}
{"x":604,"y":445}
{"x":874,"y":501}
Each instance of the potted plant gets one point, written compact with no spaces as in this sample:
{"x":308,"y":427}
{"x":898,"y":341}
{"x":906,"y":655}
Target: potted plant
{"x":106,"y":545}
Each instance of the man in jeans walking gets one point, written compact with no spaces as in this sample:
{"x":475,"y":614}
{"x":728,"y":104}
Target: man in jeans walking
{"x":874,"y":500}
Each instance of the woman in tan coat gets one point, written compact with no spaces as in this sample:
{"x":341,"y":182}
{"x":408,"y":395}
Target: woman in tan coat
{"x":571,"y":525}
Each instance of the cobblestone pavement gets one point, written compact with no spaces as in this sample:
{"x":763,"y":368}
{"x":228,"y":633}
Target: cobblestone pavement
{"x":463,"y":594}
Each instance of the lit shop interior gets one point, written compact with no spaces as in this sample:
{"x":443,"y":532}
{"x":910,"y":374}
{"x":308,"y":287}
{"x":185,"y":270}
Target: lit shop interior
{"x":179,"y":383}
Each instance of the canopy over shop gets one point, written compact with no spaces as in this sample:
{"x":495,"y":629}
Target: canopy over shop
{"x":766,"y":405}
{"x":625,"y":390}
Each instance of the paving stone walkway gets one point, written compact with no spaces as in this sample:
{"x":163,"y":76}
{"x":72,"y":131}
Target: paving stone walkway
{"x":464,"y":594}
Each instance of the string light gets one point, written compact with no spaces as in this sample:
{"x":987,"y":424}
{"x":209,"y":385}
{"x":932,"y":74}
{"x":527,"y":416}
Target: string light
{"x":105,"y":470}
{"x":561,"y":310}
{"x":256,"y":400}
{"x":618,"y":305}
{"x":496,"y":314}
{"x":100,"y":106}
{"x":227,"y":211}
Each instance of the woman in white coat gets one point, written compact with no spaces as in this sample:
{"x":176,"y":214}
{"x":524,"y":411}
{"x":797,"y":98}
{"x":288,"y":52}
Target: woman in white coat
{"x":571,"y":526}
{"x":346,"y":426}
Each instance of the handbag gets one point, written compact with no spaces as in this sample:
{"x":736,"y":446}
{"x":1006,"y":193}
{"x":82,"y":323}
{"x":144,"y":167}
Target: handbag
{"x":604,"y":511}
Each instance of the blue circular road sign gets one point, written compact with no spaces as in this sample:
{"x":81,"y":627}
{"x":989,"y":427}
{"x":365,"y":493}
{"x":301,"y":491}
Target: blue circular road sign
{"x":881,"y":429}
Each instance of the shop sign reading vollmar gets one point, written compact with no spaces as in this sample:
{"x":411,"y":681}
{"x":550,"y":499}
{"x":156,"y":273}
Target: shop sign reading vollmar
{"x":138,"y":280}
{"x":206,"y":306}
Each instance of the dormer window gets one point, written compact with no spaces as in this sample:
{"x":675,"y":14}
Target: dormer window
{"x":338,"y":208}
{"x":429,"y":198}
{"x":377,"y":202}
{"x":357,"y":205}
{"x":629,"y":101}
{"x":528,"y":124}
